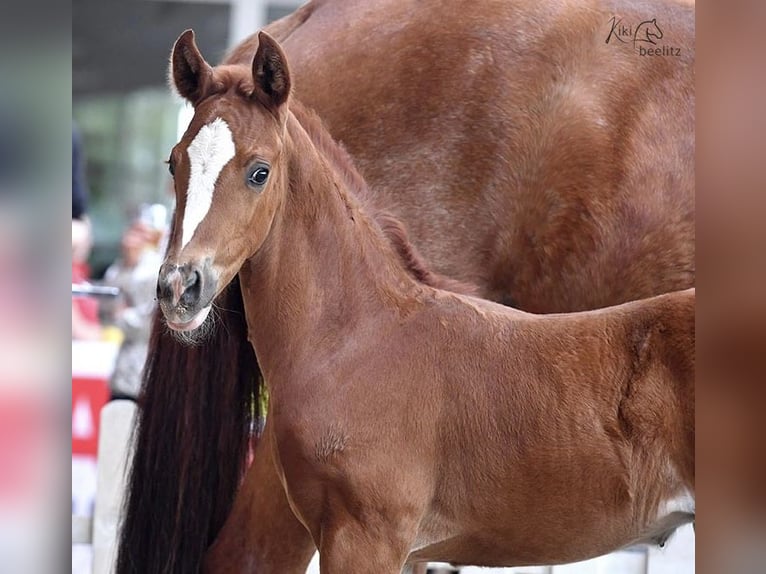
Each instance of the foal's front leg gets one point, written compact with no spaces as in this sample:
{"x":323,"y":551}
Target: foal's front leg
{"x":349,"y":547}
{"x":261,"y":534}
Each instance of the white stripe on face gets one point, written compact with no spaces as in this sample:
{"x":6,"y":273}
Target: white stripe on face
{"x":209,"y":152}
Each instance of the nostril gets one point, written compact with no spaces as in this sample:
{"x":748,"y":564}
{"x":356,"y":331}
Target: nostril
{"x":192,"y":288}
{"x":192,"y":279}
{"x":166,"y":281}
{"x":164,"y":288}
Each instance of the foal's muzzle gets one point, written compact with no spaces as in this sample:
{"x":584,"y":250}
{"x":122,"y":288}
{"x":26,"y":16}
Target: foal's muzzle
{"x":183,"y":292}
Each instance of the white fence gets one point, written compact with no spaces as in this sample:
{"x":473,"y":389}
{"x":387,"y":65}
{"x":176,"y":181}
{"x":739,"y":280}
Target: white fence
{"x":94,"y":538}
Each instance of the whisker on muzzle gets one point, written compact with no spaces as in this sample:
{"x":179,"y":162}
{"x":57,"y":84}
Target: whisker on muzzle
{"x":199,"y":335}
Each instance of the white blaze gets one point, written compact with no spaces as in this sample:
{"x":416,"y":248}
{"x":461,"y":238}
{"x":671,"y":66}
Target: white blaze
{"x":209,"y":152}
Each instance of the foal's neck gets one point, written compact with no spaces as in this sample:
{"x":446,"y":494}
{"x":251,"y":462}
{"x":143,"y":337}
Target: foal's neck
{"x":325,"y":268}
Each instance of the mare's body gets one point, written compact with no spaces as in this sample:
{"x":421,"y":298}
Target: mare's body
{"x":523,"y":153}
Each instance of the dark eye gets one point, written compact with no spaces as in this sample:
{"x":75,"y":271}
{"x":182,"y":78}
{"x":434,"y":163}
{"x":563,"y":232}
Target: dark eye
{"x":171,"y":167}
{"x":258,"y":175}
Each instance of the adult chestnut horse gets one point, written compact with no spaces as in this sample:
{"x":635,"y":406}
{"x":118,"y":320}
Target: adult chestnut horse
{"x":525,"y":154}
{"x":405,"y":421}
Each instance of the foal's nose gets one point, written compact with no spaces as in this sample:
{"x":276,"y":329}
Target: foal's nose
{"x":179,"y":285}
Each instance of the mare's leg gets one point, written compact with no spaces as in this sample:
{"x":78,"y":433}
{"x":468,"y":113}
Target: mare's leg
{"x":261,"y":534}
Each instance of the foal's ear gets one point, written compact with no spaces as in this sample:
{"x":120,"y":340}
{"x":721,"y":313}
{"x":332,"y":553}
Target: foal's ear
{"x":189,"y":73}
{"x":270,"y":74}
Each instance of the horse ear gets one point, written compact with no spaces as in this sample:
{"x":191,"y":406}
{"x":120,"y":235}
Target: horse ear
{"x":270,"y":73}
{"x":189,"y":72}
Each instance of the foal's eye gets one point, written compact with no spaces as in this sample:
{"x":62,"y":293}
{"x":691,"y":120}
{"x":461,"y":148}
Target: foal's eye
{"x":258,"y":175}
{"x":171,"y":167}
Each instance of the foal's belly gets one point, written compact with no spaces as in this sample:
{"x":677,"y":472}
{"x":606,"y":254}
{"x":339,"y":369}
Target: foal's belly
{"x":541,"y":539}
{"x":517,"y":547}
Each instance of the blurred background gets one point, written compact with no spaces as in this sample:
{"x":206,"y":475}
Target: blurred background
{"x":35,"y":136}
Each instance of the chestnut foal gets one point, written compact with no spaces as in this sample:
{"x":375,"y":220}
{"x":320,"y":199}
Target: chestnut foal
{"x":407,"y":422}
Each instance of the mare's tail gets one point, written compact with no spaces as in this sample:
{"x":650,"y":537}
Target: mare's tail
{"x":190,"y":443}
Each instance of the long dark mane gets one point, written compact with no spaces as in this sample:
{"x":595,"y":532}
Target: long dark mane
{"x":196,"y":412}
{"x":190,"y":442}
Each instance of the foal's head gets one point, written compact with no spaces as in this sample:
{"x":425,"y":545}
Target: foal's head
{"x":229,"y":174}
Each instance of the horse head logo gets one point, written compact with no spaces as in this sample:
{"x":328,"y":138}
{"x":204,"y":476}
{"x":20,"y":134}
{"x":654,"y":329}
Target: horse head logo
{"x":648,"y":31}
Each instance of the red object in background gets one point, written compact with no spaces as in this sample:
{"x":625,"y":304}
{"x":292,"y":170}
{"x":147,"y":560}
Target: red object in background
{"x":89,"y":395}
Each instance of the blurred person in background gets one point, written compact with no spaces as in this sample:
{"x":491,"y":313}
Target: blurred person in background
{"x":135,"y":274}
{"x":85,"y":322}
{"x":79,"y":185}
